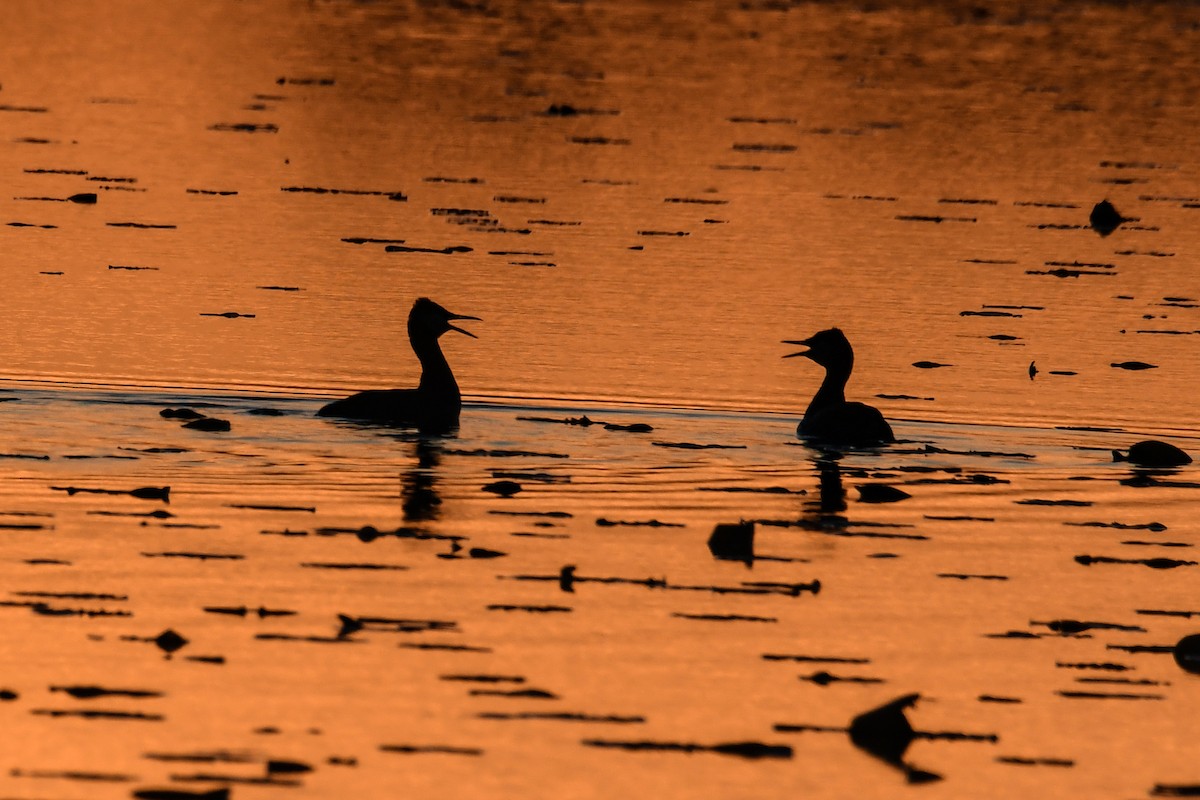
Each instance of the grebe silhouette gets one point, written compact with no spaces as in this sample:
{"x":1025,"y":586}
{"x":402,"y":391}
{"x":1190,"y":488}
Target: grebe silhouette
{"x":829,"y":417}
{"x":434,"y":405}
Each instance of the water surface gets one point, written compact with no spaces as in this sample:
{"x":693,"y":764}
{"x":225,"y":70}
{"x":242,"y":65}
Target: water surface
{"x":640,"y":200}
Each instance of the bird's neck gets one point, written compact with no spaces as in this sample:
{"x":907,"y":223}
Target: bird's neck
{"x":833,"y":389}
{"x":436,"y":377}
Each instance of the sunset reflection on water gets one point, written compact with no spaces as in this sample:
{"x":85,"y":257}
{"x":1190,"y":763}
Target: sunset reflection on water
{"x":641,"y":201}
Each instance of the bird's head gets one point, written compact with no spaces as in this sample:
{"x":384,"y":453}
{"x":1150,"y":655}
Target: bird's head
{"x":827,"y":348}
{"x":427,"y":318}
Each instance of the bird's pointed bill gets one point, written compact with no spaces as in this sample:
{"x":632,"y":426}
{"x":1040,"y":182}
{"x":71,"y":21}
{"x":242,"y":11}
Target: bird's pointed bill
{"x":460,"y":330}
{"x":802,"y":343}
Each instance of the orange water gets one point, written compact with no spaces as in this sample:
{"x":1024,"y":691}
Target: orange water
{"x":806,"y":151}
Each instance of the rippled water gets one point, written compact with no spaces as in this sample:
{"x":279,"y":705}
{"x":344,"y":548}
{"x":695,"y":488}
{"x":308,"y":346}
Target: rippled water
{"x":640,"y":200}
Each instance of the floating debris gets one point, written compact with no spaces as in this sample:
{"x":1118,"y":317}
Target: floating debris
{"x":1153,"y":563}
{"x":750,"y":750}
{"x":1187,"y":653}
{"x":1153,"y":453}
{"x":411,"y":749}
{"x":162,"y":493}
{"x":245,"y":127}
{"x":1133,"y":365}
{"x":503,"y":488}
{"x":1105,"y":218}
{"x":881,"y":493}
{"x":390,"y":195}
{"x":694,"y":446}
{"x":733,"y":542}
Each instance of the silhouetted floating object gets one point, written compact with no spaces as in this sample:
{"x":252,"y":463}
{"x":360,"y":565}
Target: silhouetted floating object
{"x":390,"y":195}
{"x":503,"y":488}
{"x":96,"y":714}
{"x":1168,"y":613}
{"x":47,"y":610}
{"x":566,"y":716}
{"x":823,"y":678}
{"x":1153,"y":453}
{"x":1106,"y":666}
{"x":169,"y":641}
{"x":885,"y":732}
{"x":483,"y":678}
{"x":1160,"y":649}
{"x":485,"y":553}
{"x":1153,"y":563}
{"x":763,"y":147}
{"x":1133,"y":365}
{"x":1035,"y":762}
{"x":521,"y":694}
{"x":436,"y":402}
{"x":695,"y":446}
{"x":417,"y":749}
{"x":965,"y":576}
{"x":1081,"y":695}
{"x":162,"y":493}
{"x":723,"y":617}
{"x":1187,"y":653}
{"x":1176,"y":790}
{"x":1033,"y":371}
{"x":209,"y":425}
{"x":1045,"y":502}
{"x":180,"y":413}
{"x":881,"y":493}
{"x":531,"y":609}
{"x":633,"y":427}
{"x":1064,"y":272}
{"x":932,"y":218}
{"x":366,"y":240}
{"x":245,"y":127}
{"x":131,"y":268}
{"x":242,"y":611}
{"x":829,"y":418}
{"x":142,"y":225}
{"x":602,"y":522}
{"x":752,"y":489}
{"x":733,"y":542}
{"x":8,"y":695}
{"x":762,"y":120}
{"x":1071,"y":626}
{"x":266,"y":412}
{"x":353,"y":565}
{"x":268,"y":507}
{"x":969,"y":201}
{"x":213,"y":192}
{"x":197,"y":556}
{"x":992,"y":698}
{"x":599,"y":140}
{"x":1105,"y":218}
{"x":227,"y":314}
{"x":930,"y":365}
{"x":750,"y":750}
{"x":30,"y":225}
{"x":92,"y":692}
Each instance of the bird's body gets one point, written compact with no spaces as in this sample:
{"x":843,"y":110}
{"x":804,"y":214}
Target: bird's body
{"x":829,"y":418}
{"x":435,"y":404}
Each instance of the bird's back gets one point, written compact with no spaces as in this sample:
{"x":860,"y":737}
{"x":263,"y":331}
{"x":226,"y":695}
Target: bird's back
{"x":853,"y":424}
{"x":401,"y":407}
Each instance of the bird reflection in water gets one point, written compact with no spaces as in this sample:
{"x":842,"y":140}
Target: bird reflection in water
{"x":418,"y":484}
